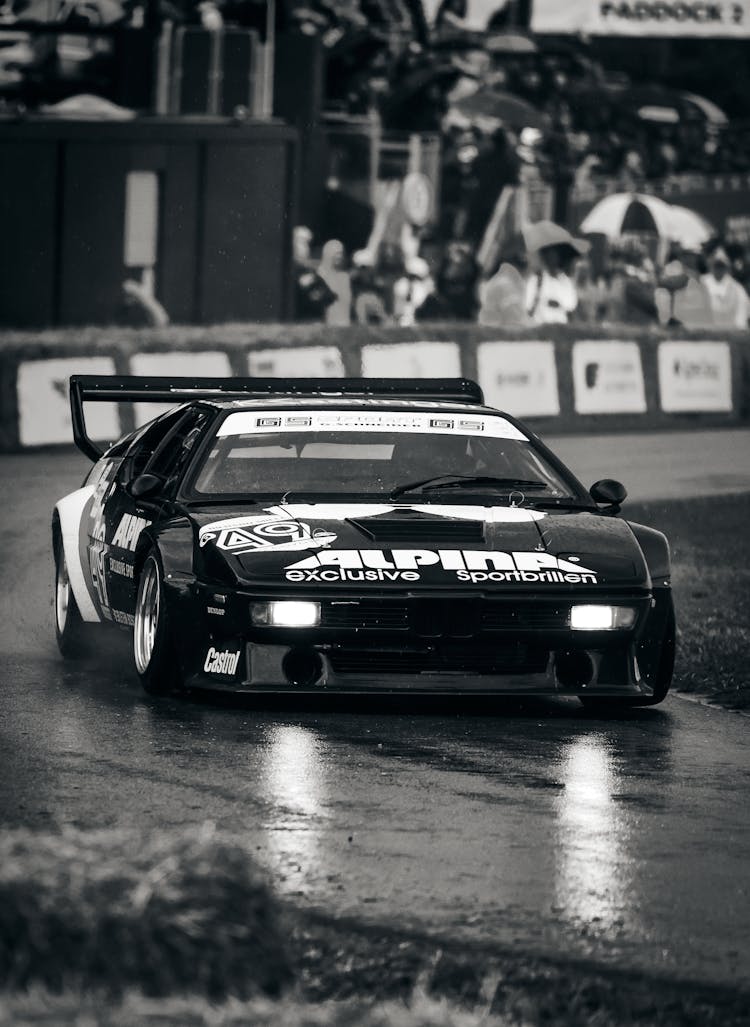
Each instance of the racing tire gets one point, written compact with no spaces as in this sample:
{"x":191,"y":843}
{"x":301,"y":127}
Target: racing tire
{"x":154,"y":651}
{"x":70,"y":630}
{"x":662,"y":681}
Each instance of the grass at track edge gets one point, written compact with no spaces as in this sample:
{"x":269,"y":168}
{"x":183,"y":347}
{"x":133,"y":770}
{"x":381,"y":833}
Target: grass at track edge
{"x":710,"y":543}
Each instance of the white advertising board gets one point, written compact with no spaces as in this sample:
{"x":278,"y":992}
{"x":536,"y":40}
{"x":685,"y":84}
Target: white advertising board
{"x":42,"y":387}
{"x":695,"y":377}
{"x":519,"y":377}
{"x":412,"y":360}
{"x":210,"y":364}
{"x":699,"y":18}
{"x":608,"y":378}
{"x":299,"y":362}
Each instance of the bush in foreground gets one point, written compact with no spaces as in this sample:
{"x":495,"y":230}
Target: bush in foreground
{"x":40,"y":1010}
{"x":163,"y":912}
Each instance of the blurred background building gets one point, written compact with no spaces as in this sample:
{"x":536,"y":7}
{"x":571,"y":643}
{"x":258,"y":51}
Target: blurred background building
{"x":159,"y":154}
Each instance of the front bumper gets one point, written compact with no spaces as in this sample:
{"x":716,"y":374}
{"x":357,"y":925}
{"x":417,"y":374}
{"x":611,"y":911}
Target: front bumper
{"x":432,"y":644}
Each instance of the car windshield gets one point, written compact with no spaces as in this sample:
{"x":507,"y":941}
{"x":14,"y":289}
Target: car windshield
{"x":324,"y":452}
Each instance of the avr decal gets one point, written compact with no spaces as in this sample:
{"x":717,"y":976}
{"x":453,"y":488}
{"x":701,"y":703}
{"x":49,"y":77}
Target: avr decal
{"x":272,"y":530}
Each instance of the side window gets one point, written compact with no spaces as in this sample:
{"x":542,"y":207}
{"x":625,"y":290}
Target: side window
{"x":146,"y":443}
{"x":171,"y":458}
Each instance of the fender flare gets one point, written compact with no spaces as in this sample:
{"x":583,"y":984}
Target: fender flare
{"x":655,"y":549}
{"x":68,"y":521}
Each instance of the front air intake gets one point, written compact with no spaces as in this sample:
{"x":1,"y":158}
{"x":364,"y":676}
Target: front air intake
{"x":574,"y":669}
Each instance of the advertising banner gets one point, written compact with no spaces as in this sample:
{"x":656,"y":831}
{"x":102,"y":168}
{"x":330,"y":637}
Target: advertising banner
{"x":212,"y":364}
{"x":412,"y":360}
{"x":669,"y":18}
{"x":42,"y":388}
{"x":519,"y":377}
{"x":300,"y":362}
{"x":608,"y":378}
{"x":695,"y":377}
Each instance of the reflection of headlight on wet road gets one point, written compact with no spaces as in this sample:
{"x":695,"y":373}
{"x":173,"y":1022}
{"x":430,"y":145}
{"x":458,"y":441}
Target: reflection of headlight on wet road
{"x":591,"y":871}
{"x":293,"y":770}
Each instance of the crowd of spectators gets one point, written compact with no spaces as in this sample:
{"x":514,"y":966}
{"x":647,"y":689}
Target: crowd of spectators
{"x":544,"y":276}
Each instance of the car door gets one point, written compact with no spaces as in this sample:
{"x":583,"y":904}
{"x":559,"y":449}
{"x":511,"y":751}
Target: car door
{"x":165,"y":457}
{"x":112,"y":526}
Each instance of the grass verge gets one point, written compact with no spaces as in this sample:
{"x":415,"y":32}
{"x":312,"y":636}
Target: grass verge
{"x":180,"y":929}
{"x":162,"y":912}
{"x":710,"y":544}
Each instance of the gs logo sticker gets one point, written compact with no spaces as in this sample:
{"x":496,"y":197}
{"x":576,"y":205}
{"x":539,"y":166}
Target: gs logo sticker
{"x":263,"y":533}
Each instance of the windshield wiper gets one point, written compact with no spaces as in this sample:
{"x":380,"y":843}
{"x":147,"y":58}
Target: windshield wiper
{"x":466,"y":481}
{"x":561,"y":504}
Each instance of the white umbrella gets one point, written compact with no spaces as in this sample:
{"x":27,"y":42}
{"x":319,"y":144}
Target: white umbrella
{"x":688,"y":227}
{"x":627,"y":211}
{"x":623,"y":212}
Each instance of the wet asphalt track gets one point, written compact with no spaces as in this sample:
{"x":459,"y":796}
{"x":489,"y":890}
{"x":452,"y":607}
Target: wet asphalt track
{"x":535,"y":824}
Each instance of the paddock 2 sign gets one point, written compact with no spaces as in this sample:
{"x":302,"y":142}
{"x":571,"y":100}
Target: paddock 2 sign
{"x":700,"y":18}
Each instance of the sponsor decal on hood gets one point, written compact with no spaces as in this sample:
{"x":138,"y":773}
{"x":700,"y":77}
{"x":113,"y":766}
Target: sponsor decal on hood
{"x":272,"y":530}
{"x":464,"y":565}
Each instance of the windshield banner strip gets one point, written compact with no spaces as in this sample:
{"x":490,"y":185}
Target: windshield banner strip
{"x":253,"y":422}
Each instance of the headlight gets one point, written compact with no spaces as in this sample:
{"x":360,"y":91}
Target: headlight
{"x":601,"y":618}
{"x":286,"y":613}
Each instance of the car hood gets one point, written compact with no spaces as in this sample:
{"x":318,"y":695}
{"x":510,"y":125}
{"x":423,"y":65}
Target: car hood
{"x":396,"y":546}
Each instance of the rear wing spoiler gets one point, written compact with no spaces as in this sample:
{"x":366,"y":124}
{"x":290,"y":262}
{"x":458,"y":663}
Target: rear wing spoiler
{"x":123,"y":388}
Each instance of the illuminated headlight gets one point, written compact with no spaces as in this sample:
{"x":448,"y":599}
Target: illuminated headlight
{"x":601,"y":618}
{"x":286,"y":613}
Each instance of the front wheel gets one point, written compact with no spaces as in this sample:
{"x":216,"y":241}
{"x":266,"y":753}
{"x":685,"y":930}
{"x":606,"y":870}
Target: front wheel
{"x":153,"y":645}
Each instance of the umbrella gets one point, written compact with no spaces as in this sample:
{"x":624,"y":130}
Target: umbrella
{"x":637,"y":212}
{"x":503,"y":107}
{"x":689,"y":228}
{"x":670,"y":106}
{"x":713,"y":114}
{"x":624,"y":212}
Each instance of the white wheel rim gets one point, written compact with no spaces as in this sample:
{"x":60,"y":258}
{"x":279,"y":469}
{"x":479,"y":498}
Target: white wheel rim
{"x":146,"y":616}
{"x":62,"y":592}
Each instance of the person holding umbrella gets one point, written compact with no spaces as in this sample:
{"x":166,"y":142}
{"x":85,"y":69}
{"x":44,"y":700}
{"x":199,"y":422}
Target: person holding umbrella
{"x":551,"y":296}
{"x":730,"y":303}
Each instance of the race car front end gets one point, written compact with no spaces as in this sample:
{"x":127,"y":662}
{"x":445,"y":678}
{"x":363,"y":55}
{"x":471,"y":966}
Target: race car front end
{"x":452,"y":618}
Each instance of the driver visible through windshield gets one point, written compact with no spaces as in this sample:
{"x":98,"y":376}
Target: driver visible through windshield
{"x":395,"y":453}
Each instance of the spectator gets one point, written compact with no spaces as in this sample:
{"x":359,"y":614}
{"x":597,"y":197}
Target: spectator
{"x":367,"y":292}
{"x":592,"y":295}
{"x":631,"y":293}
{"x":311,"y":294}
{"x":689,"y":303}
{"x":551,"y":295}
{"x":455,"y":296}
{"x":412,"y":290}
{"x":503,"y":297}
{"x":730,"y":304}
{"x":331,"y":270}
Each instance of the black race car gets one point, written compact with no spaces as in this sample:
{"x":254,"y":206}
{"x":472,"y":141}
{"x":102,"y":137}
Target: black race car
{"x":340,"y":535}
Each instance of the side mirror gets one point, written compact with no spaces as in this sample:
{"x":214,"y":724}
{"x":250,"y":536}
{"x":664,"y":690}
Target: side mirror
{"x":609,"y":494}
{"x":145,"y":486}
